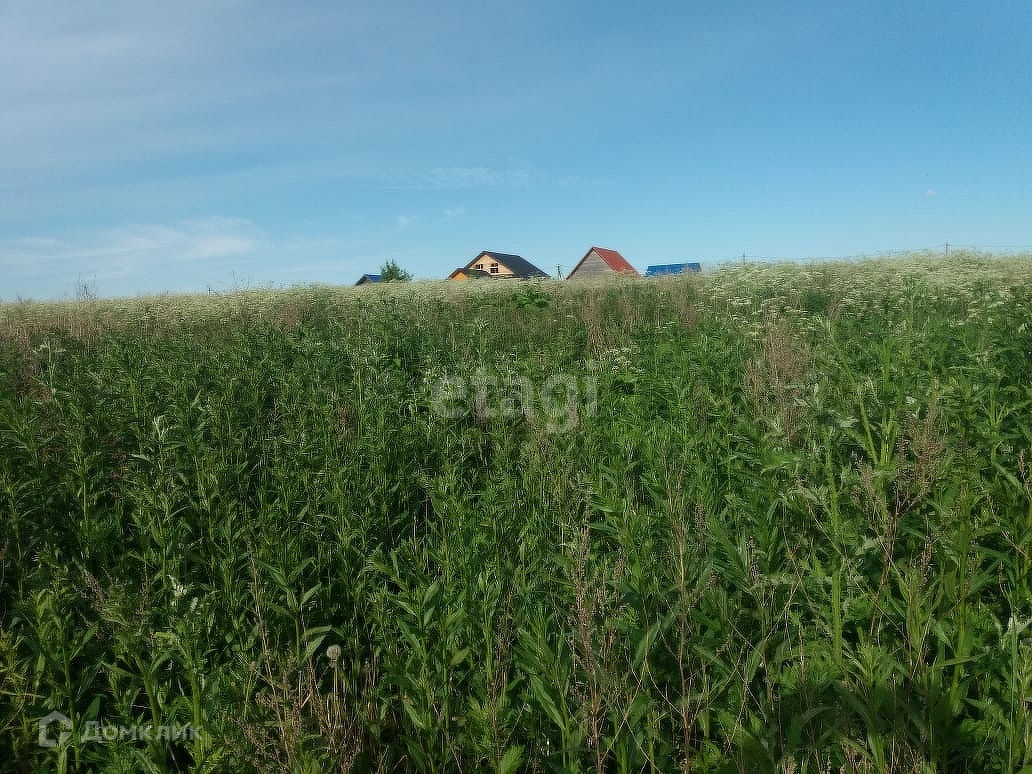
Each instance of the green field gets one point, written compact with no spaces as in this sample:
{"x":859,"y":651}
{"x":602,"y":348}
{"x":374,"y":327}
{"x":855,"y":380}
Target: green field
{"x":770,"y":518}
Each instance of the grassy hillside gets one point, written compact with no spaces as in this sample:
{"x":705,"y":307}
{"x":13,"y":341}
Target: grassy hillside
{"x":768,"y":519}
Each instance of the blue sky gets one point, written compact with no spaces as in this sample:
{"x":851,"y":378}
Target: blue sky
{"x":152,"y":146}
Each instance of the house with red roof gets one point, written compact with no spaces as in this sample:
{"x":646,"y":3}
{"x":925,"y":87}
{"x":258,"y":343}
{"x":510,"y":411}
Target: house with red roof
{"x":599,"y":262}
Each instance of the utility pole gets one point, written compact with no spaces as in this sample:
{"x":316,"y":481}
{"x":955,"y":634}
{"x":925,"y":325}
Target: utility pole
{"x":558,"y":271}
{"x":947,"y":249}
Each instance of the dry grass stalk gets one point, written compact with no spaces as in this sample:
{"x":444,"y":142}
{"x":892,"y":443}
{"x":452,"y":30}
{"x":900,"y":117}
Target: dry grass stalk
{"x":301,"y":724}
{"x":774,"y":379}
{"x":596,"y":610}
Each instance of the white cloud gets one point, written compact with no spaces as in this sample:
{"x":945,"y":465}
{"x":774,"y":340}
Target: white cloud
{"x":88,"y":87}
{"x":402,"y":222}
{"x":441,"y":178}
{"x":453,"y":212}
{"x":478,"y":177}
{"x":128,"y":250}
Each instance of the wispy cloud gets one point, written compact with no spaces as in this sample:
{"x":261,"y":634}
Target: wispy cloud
{"x":479,"y":177}
{"x":402,"y":222}
{"x":579,"y":181}
{"x":135,"y":249}
{"x":450,"y":213}
{"x":450,"y":178}
{"x":89,"y":87}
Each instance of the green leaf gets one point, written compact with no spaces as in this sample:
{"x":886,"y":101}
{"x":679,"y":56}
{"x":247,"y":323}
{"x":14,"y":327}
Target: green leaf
{"x":314,"y":638}
{"x":645,"y":643}
{"x":417,"y":721}
{"x":307,"y":596}
{"x":544,"y":698}
{"x":511,"y":760}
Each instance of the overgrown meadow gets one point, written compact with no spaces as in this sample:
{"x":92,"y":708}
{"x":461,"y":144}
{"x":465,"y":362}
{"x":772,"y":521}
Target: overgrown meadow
{"x":784,"y":525}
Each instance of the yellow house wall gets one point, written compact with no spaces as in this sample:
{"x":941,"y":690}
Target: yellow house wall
{"x":487,"y":260}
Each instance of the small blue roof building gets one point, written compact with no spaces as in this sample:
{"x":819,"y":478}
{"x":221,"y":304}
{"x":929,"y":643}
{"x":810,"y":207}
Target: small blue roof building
{"x":368,"y":278}
{"x":662,"y":270}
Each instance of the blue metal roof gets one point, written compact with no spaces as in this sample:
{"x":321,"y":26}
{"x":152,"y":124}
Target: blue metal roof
{"x":368,"y":278}
{"x":662,"y":269}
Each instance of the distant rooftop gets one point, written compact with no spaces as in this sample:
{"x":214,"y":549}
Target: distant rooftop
{"x":662,"y":269}
{"x":517,"y":264}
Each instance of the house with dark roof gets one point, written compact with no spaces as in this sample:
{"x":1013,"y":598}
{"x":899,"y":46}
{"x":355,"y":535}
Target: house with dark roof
{"x":666,"y":269}
{"x":367,"y":278}
{"x":491,"y":264}
{"x":600,"y":262}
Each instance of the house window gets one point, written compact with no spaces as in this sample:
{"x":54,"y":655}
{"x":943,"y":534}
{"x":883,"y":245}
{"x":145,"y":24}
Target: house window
{"x":494,"y":268}
{"x":479,"y":267}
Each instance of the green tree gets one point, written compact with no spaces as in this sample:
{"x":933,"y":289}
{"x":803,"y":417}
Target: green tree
{"x":391,"y":272}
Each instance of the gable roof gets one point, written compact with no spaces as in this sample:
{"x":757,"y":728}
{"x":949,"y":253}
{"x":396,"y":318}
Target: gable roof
{"x":610,"y":258}
{"x":368,"y":278}
{"x":518,"y":265}
{"x":660,"y":270}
